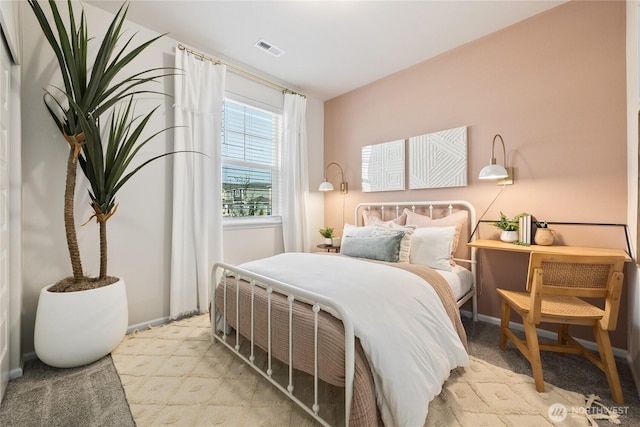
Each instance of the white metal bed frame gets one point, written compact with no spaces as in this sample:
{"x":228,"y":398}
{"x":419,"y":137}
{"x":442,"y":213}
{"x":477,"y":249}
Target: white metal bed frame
{"x":317,"y":303}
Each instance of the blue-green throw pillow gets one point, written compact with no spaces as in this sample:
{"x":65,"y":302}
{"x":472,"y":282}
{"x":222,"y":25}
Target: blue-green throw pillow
{"x":380,"y":248}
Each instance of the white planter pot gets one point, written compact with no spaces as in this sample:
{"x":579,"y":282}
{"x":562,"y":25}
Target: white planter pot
{"x":77,"y":328}
{"x":509,"y":236}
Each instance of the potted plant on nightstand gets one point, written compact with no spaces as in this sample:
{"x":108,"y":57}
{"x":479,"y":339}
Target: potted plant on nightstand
{"x":81,"y":319}
{"x":509,"y":227}
{"x":327,"y":233}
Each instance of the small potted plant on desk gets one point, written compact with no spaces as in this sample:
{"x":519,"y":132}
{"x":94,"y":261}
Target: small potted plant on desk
{"x":327,"y":233}
{"x":509,"y":227}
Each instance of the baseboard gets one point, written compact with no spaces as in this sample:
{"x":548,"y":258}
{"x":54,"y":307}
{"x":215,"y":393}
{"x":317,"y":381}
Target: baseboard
{"x":18,"y":372}
{"x":618,"y":352}
{"x":15,"y":373}
{"x":148,"y":324}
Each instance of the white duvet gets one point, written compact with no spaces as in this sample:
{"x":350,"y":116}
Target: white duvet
{"x":404,"y":330}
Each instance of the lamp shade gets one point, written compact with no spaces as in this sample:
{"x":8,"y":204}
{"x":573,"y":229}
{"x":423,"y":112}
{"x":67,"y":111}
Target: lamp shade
{"x":493,"y":172}
{"x":326,"y":186}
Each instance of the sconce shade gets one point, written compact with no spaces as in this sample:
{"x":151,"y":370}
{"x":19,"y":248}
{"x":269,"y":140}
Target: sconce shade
{"x":493,"y":172}
{"x":326,"y":186}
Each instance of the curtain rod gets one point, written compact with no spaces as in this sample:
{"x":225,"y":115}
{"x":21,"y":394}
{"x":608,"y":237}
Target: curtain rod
{"x":240,"y":71}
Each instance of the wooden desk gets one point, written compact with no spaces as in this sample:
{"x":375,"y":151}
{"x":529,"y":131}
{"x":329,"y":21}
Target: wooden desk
{"x":570,"y":250}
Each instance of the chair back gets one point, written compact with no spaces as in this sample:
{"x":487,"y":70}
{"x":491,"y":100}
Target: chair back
{"x":583,"y":276}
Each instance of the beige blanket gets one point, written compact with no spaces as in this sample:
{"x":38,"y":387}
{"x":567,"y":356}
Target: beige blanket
{"x":331,"y":342}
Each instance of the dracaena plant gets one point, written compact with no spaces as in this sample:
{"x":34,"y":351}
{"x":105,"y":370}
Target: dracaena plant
{"x":107,"y":164}
{"x":91,"y":88}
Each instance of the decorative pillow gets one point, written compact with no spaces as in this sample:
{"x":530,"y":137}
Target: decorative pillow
{"x":354,"y":230}
{"x":431,"y":246}
{"x":371,"y":218}
{"x":381,"y":248}
{"x":388,"y":228}
{"x":457,"y":219}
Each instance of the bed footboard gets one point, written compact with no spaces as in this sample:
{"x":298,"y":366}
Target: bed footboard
{"x":292,"y":325}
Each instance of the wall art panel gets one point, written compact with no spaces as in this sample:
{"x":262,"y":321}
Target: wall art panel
{"x":383,"y":166}
{"x":438,"y":159}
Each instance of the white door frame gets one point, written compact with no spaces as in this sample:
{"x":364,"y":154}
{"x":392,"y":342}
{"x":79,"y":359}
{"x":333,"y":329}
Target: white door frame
{"x":10,"y":13}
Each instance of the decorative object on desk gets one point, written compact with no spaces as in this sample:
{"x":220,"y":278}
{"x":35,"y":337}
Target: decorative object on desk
{"x":327,"y":233}
{"x":544,"y":236}
{"x":503,"y":174}
{"x":509,"y":227}
{"x":509,"y":236}
{"x":524,"y":229}
{"x":327,"y":186}
{"x":335,"y":241}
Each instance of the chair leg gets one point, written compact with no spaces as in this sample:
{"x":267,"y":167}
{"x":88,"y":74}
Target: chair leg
{"x":534,"y":354}
{"x":504,"y":324}
{"x":609,"y":363}
{"x":563,"y":332}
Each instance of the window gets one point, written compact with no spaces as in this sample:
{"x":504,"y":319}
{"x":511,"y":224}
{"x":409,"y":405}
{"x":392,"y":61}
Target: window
{"x":250,"y":160}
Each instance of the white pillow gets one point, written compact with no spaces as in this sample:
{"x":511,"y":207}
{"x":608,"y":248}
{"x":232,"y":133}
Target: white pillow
{"x":355,"y":231}
{"x":459,"y":219}
{"x":431,"y":246}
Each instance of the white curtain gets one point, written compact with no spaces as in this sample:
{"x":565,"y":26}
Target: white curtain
{"x":294,"y":183}
{"x":197,"y":182}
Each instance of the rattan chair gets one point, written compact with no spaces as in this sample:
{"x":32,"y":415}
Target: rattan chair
{"x":556,"y":285}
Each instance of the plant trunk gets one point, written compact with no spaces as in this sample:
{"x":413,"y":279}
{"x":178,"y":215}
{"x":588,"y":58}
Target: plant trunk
{"x":69,"y":217}
{"x":103,"y":247}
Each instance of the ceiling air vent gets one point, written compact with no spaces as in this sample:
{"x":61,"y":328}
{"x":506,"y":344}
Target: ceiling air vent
{"x":268,"y":47}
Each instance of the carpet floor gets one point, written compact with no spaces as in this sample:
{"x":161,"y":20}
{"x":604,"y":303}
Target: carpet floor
{"x":80,"y":397}
{"x":156,"y":379}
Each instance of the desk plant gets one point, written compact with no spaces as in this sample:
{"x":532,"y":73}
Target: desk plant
{"x":509,"y":227}
{"x":63,"y":334}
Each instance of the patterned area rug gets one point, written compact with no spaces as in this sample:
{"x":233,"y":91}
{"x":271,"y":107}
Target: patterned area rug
{"x":172,"y":375}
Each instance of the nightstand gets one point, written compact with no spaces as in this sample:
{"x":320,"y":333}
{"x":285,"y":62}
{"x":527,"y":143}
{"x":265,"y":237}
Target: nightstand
{"x":329,"y":248}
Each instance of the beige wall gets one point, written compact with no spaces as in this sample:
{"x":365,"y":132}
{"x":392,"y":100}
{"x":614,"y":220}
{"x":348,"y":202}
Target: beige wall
{"x":553,"y":86}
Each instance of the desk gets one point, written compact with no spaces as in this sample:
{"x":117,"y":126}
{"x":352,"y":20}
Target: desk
{"x":569,"y":250}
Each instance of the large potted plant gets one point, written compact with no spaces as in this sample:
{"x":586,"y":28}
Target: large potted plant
{"x":80,"y":319}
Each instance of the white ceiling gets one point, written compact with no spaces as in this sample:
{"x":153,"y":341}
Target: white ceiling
{"x":331,"y":47}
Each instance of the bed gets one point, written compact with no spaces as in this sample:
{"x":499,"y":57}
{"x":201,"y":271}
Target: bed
{"x":387,"y":330}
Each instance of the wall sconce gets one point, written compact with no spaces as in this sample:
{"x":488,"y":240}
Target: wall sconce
{"x":494,"y":171}
{"x":327,"y":186}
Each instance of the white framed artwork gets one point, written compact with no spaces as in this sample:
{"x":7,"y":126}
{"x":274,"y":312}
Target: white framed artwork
{"x":383,"y":166}
{"x":438,"y":159}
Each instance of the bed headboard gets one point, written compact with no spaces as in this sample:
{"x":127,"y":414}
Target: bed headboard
{"x":431,"y":208}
